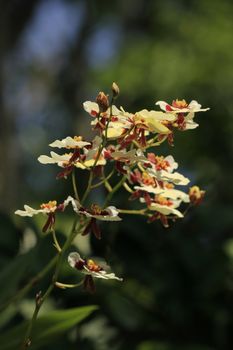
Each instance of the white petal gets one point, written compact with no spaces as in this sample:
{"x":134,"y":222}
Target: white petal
{"x":131,"y":156}
{"x":97,"y":142}
{"x":176,"y":178}
{"x":60,"y":157}
{"x":112,"y":211}
{"x":57,"y":143}
{"x":105,"y":275}
{"x":28,"y":211}
{"x":115,"y":110}
{"x":90,"y":162}
{"x":75,"y":204}
{"x":113,"y":214}
{"x":176,"y":194}
{"x":68,"y":142}
{"x":114,"y":132}
{"x":80,"y":165}
{"x":190,"y":116}
{"x":173,"y":194}
{"x":162,"y":105}
{"x":101,"y":274}
{"x":196,"y":107}
{"x":172,"y":163}
{"x":149,"y":189}
{"x":165,"y":210}
{"x":54,"y":159}
{"x":159,"y":116}
{"x":73,"y":258}
{"x":106,"y":217}
{"x":43,"y":159}
{"x":90,"y":107}
{"x":23,"y":213}
{"x":151,"y":118}
{"x":190,"y":125}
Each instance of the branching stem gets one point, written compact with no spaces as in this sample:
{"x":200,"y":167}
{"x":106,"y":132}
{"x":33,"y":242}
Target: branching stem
{"x":132,"y":212}
{"x":75,"y":186}
{"x":76,"y":229}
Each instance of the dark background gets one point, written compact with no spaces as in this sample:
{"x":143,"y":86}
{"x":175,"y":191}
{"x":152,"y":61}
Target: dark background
{"x":177,"y":289}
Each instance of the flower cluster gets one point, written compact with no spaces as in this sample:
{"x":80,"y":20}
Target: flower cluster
{"x":122,"y":145}
{"x":80,"y":154}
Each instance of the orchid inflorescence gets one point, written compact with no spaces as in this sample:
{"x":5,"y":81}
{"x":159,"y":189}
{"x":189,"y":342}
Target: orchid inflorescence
{"x":123,"y":144}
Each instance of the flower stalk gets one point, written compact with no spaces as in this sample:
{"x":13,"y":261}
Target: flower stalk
{"x":40,"y":298}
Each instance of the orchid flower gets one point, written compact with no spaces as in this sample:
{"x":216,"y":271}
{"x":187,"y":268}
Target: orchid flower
{"x":70,"y":142}
{"x":48,"y":209}
{"x":181,"y":106}
{"x":91,"y":269}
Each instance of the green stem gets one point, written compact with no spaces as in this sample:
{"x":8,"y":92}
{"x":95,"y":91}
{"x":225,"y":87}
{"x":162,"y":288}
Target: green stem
{"x":41,"y":298}
{"x":109,"y":119}
{"x":158,"y":143}
{"x":152,"y":140}
{"x":75,"y":186}
{"x":117,"y":186}
{"x":88,"y":189}
{"x":187,"y":209}
{"x":108,"y":186}
{"x":65,"y":285}
{"x":105,"y":179}
{"x":133,"y":212}
{"x":89,"y":185}
{"x":114,"y":190}
{"x":56,"y":244}
{"x":126,"y":186}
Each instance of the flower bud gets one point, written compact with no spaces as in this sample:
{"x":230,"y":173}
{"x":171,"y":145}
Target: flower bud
{"x":38,"y":298}
{"x":196,"y":195}
{"x":115,"y":90}
{"x":102,"y":101}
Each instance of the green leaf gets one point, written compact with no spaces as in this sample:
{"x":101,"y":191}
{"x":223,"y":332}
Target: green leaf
{"x":11,"y":275}
{"x":9,"y":239}
{"x":7,"y":314}
{"x":168,"y":346}
{"x":46,"y":327}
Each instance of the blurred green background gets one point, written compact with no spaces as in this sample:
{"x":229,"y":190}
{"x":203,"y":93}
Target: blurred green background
{"x":55,"y":54}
